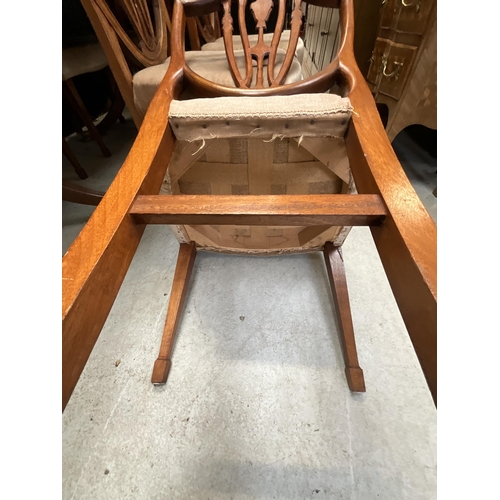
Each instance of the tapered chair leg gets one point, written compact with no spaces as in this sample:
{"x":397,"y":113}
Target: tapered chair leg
{"x":76,"y":102}
{"x":185,"y":261}
{"x":336,"y":273}
{"x":73,"y":160}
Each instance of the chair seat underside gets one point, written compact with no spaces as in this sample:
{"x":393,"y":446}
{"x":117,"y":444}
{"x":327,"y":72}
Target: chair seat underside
{"x":243,"y":166}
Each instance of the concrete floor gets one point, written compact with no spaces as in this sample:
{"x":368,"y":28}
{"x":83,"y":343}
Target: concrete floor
{"x":256,"y":405}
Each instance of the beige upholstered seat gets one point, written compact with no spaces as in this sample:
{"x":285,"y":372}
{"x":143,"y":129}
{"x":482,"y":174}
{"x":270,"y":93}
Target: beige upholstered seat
{"x":308,"y":115}
{"x":277,"y":145}
{"x":211,"y":65}
{"x":284,"y":40}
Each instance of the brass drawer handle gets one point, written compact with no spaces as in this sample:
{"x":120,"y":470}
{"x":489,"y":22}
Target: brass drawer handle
{"x":411,"y":4}
{"x":395,"y":73}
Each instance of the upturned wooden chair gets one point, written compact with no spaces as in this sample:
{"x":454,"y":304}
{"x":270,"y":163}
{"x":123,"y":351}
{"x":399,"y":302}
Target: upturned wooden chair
{"x":260,"y":167}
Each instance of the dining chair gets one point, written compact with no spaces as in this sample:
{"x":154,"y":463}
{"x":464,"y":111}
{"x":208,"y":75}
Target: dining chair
{"x":260,"y":167}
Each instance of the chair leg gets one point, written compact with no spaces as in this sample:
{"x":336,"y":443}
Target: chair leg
{"x":336,"y":273}
{"x":76,"y":102}
{"x":185,"y":261}
{"x":73,"y":160}
{"x":117,"y":106}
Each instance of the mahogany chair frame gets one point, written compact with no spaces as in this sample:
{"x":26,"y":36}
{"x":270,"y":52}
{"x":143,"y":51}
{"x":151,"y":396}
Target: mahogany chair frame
{"x":152,"y":28}
{"x":124,"y":54}
{"x":404,"y":233}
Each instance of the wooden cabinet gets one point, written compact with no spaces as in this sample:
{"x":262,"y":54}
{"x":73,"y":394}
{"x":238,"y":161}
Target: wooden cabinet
{"x":391,"y":66}
{"x":403,"y":70}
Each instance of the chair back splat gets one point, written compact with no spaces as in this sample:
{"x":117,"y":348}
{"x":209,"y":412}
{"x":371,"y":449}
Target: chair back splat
{"x":258,"y":160}
{"x":260,"y":67}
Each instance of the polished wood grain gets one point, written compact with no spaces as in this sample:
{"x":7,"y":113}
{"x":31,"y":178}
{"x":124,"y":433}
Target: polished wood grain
{"x":227,"y":33}
{"x":321,"y":82}
{"x":80,"y":194}
{"x":148,"y":44}
{"x":184,"y":267}
{"x":406,"y":242}
{"x":278,"y":30}
{"x":194,"y":36}
{"x":336,"y":274}
{"x":261,"y":10}
{"x":260,"y":210}
{"x":97,"y":261}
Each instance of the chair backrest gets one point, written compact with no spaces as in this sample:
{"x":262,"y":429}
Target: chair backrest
{"x":261,"y":57}
{"x":95,"y":265}
{"x":261,"y":10}
{"x":134,"y":35}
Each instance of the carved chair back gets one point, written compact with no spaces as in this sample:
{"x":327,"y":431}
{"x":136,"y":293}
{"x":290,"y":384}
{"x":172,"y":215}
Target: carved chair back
{"x":134,"y":35}
{"x":262,"y":53}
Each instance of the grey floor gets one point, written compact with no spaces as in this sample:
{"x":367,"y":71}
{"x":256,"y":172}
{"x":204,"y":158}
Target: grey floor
{"x":256,"y":405}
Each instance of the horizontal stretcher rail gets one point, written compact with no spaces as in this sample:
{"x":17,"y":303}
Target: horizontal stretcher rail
{"x":261,"y":210}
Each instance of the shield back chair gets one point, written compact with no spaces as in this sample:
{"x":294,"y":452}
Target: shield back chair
{"x":262,"y":166}
{"x":135,"y":38}
{"x":134,"y":35}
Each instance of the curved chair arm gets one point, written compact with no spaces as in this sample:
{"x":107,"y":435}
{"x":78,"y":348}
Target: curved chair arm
{"x":407,"y":241}
{"x":95,"y":265}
